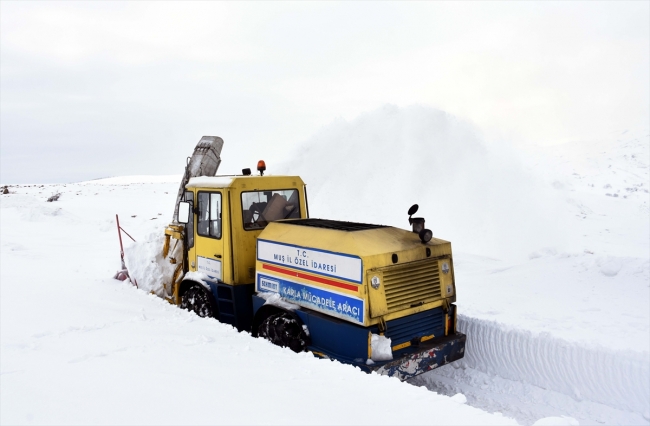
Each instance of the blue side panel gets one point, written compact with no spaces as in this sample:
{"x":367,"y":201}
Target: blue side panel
{"x":417,"y":325}
{"x":234,"y":304}
{"x":257,"y":303}
{"x":329,"y":335}
{"x":348,"y":343}
{"x":336,"y":338}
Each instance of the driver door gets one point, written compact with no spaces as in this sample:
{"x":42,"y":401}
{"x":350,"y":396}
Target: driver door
{"x":209,"y":234}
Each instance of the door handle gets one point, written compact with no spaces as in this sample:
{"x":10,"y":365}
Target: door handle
{"x":218,"y":256}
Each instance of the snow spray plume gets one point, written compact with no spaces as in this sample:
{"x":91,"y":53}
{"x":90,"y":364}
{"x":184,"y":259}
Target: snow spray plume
{"x":473,"y":193}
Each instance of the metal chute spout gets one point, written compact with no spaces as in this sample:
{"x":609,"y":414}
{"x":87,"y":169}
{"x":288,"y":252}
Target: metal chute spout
{"x":204,"y":161}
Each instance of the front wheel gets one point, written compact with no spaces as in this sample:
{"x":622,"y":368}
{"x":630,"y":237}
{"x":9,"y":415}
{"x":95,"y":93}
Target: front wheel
{"x":196,"y":299}
{"x":283,"y":330}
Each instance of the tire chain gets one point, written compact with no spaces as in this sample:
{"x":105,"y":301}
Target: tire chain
{"x":283,"y":330}
{"x":194,"y":300}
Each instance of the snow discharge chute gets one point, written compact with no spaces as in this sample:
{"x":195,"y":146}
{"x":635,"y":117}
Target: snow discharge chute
{"x":204,"y":161}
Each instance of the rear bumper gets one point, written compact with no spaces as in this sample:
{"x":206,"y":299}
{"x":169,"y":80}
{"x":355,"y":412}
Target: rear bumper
{"x":423,"y":358}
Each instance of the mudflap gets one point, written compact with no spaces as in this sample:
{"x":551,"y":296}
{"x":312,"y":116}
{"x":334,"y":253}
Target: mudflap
{"x":424,"y":357}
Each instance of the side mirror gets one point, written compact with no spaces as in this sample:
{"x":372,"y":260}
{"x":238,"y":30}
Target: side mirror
{"x":183,"y":212}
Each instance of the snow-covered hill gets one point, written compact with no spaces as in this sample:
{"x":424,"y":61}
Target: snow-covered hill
{"x":552,"y":272}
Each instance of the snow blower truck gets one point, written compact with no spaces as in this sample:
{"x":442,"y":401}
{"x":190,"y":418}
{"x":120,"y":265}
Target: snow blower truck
{"x":247,"y":253}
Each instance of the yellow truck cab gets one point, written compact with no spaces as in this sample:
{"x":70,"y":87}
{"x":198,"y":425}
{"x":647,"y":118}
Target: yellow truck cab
{"x":374,"y":296}
{"x":227,"y":216}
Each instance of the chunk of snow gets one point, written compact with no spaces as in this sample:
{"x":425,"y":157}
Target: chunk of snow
{"x":146,"y":264}
{"x":197,"y":276}
{"x":609,"y":266}
{"x":381,"y":348}
{"x":209,"y":182}
{"x":276,"y":300}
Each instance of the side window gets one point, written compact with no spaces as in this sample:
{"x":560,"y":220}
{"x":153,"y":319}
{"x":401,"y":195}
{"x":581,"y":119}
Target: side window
{"x":261,"y":207}
{"x":215,"y":214}
{"x":209,"y":220}
{"x":189,"y":197}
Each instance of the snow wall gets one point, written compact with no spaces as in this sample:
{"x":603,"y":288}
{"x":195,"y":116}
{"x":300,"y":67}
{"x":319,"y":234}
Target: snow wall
{"x":614,"y":378}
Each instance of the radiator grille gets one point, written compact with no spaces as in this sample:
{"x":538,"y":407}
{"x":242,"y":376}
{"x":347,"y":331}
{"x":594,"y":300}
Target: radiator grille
{"x":411,"y":283}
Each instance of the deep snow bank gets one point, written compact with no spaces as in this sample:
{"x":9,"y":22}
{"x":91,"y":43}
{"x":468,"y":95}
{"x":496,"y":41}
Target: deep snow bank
{"x":614,"y":378}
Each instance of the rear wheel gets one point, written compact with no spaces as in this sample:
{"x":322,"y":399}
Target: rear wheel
{"x":283,"y":330}
{"x":196,"y":299}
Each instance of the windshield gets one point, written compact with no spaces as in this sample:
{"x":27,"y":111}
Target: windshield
{"x":261,"y":207}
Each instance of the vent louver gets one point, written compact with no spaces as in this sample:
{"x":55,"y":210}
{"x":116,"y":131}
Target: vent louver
{"x":411,"y":283}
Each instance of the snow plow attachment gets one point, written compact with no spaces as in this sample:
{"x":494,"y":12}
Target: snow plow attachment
{"x":416,"y":360}
{"x":204,"y":161}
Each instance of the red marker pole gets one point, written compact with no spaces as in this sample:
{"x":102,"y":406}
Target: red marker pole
{"x":119,"y":234}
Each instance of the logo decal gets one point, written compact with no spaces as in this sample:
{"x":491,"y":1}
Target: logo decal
{"x":269,"y":285}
